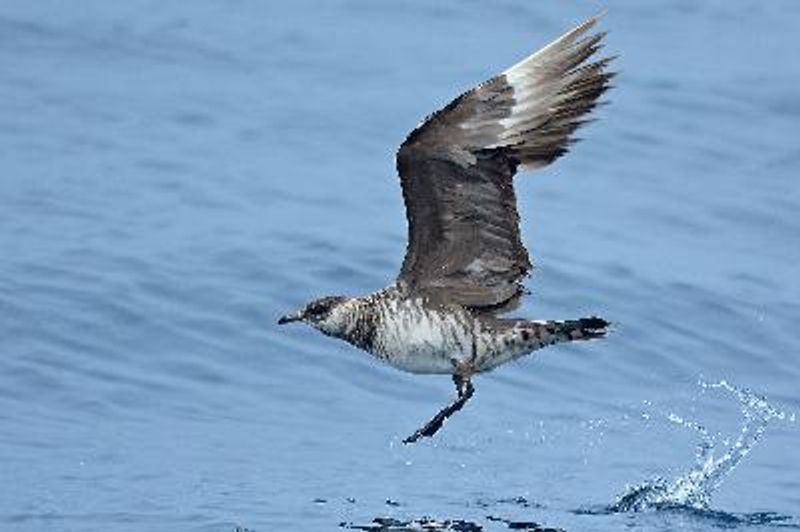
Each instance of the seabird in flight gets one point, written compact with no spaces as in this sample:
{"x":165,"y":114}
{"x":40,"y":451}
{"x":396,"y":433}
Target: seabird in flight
{"x":465,"y":260}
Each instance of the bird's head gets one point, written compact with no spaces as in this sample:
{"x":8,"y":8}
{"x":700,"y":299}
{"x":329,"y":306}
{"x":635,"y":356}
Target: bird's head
{"x":321,"y":314}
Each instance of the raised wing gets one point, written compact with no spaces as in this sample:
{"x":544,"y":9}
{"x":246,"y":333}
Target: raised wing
{"x":457,"y":167}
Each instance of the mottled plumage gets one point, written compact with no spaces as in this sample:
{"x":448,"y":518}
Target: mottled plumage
{"x":465,"y":259}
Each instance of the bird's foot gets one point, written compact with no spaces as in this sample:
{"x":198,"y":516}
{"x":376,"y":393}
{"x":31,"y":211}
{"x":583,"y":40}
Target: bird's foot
{"x":435,"y":423}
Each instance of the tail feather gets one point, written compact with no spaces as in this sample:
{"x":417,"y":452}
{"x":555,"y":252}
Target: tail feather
{"x":584,"y":328}
{"x":517,"y":338}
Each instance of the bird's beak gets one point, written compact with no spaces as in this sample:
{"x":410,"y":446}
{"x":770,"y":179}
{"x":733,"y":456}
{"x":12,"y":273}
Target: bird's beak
{"x":295,"y":316}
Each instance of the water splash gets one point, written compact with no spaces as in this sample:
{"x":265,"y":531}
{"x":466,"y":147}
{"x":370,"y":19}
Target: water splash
{"x":716,"y":457}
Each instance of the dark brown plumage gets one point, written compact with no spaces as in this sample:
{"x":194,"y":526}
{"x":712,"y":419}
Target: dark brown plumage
{"x":457,"y":170}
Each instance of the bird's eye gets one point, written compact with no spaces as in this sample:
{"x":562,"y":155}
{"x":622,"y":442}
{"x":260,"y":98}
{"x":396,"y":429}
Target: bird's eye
{"x":316,"y":310}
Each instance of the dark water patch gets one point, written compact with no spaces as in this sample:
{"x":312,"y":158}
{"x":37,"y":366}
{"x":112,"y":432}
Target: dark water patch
{"x":390,"y":524}
{"x":528,"y":526}
{"x":519,"y":501}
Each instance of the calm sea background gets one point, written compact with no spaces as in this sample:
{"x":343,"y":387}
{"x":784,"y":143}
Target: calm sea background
{"x":175,"y":176}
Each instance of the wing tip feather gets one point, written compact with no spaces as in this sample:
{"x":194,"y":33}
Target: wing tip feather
{"x":566,"y":40}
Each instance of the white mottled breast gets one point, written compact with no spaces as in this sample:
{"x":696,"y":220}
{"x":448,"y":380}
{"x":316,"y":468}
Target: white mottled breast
{"x":420,"y":340}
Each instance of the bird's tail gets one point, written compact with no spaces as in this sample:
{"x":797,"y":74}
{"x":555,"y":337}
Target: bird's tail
{"x":580,"y":329}
{"x":517,"y":338}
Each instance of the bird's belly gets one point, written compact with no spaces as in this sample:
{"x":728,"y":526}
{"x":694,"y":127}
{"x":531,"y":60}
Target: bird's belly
{"x":434,"y":345}
{"x":421,"y":359}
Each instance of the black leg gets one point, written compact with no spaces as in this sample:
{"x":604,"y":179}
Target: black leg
{"x":465,"y":391}
{"x":463,"y":385}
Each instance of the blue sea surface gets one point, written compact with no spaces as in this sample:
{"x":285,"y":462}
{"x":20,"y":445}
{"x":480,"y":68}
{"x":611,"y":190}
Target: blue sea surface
{"x":174,"y":176}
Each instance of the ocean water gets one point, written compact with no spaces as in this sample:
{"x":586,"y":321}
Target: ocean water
{"x":175,"y":176}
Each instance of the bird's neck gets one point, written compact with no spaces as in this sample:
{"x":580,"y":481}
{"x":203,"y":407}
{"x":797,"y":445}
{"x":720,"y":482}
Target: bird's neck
{"x":357,"y":319}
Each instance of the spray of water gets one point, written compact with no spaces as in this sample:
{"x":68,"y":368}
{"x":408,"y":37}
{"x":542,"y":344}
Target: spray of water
{"x":716,"y":458}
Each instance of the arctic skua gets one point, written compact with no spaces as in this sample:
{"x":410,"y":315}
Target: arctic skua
{"x":465,"y":260}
